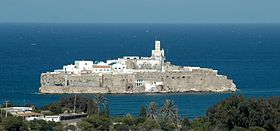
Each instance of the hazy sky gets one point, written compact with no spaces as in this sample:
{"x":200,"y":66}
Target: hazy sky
{"x":141,"y":11}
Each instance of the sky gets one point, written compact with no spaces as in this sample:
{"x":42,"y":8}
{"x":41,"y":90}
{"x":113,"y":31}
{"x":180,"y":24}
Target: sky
{"x":140,"y":11}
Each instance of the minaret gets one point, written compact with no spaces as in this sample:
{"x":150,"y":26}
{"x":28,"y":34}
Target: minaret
{"x":157,"y":45}
{"x":158,"y":54}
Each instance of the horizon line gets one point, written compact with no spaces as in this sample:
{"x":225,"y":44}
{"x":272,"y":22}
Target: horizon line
{"x":139,"y":22}
{"x":67,"y":22}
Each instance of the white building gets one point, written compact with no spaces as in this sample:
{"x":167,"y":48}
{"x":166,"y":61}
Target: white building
{"x":29,"y":116}
{"x":71,"y":69}
{"x":24,"y":112}
{"x":38,"y":116}
{"x":84,"y":65}
{"x":131,"y":57}
{"x":153,"y":63}
{"x":16,"y":110}
{"x":117,"y":67}
{"x":55,"y":118}
{"x":78,"y":68}
{"x":101,"y":68}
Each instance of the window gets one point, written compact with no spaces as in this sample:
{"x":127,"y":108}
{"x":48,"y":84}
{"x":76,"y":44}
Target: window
{"x":183,"y":76}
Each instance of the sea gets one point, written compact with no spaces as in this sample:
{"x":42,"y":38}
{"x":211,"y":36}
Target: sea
{"x":247,"y":53}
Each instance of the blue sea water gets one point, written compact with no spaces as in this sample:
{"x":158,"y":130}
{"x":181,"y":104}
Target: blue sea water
{"x":247,"y":53}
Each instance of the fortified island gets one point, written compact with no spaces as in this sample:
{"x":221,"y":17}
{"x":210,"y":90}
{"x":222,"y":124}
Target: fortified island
{"x":134,"y":74}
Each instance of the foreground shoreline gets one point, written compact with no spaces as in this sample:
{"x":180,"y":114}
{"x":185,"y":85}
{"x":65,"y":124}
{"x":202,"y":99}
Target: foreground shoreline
{"x":93,"y":113}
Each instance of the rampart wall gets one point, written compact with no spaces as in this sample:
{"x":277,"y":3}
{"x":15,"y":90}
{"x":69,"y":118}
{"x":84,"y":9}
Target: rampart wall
{"x":172,"y":81}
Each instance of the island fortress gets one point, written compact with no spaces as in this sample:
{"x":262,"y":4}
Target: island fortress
{"x":134,"y":74}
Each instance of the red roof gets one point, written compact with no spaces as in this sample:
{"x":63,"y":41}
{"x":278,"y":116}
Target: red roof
{"x":100,"y":66}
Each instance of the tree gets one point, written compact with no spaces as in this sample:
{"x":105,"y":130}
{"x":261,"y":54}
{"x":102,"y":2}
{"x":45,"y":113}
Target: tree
{"x":142,"y":116}
{"x":166,"y":124}
{"x":143,"y":112}
{"x":169,"y":110}
{"x":121,"y":127}
{"x":13,"y":123}
{"x":91,"y":107}
{"x":83,"y":104}
{"x":237,"y":112}
{"x":98,"y":122}
{"x":152,"y":112}
{"x":55,"y":126}
{"x":274,"y":114}
{"x":106,"y":111}
{"x":128,"y":120}
{"x":70,"y":128}
{"x":100,"y":100}
{"x":200,"y":124}
{"x":38,"y":125}
{"x":185,"y":123}
{"x":231,"y":112}
{"x":55,"y":108}
{"x":256,"y":128}
{"x":84,"y":126}
{"x":43,"y":125}
{"x":80,"y":104}
{"x":149,"y":125}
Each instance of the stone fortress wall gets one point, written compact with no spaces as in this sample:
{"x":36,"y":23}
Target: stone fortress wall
{"x":134,"y":75}
{"x":172,"y":81}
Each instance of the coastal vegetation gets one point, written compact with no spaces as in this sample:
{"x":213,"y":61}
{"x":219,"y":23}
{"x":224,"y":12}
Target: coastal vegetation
{"x":232,"y":114}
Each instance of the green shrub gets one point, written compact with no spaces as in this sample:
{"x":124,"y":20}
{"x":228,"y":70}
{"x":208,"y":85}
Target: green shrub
{"x":149,"y":125}
{"x":70,"y":128}
{"x":128,"y":120}
{"x":13,"y":123}
{"x":256,"y":128}
{"x":99,"y":122}
{"x":84,"y":125}
{"x":121,"y":127}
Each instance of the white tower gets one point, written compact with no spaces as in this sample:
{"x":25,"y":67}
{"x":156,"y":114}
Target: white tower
{"x":158,"y":54}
